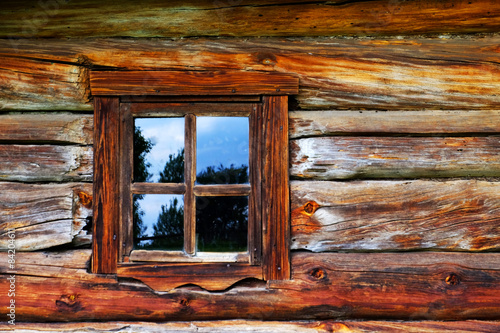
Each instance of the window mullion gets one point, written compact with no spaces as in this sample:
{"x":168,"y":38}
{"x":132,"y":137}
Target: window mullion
{"x":190,"y":178}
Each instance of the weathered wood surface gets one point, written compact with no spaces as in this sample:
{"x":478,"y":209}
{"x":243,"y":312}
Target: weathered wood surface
{"x":453,"y":215}
{"x":257,"y":326}
{"x":91,"y":18}
{"x":106,"y":185}
{"x":44,"y":215}
{"x":325,"y":158}
{"x":325,"y":123}
{"x":171,"y":83}
{"x":47,"y":128}
{"x":38,"y":84}
{"x":275,"y":189}
{"x":416,"y":286}
{"x":378,"y":74}
{"x":35,"y":163}
{"x":78,"y":128}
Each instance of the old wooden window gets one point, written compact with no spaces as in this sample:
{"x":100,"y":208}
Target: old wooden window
{"x":256,"y":244}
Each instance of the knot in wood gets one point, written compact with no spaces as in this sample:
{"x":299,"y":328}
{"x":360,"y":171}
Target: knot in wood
{"x":318,"y":273}
{"x":452,"y":279}
{"x":85,"y":199}
{"x":184,"y":302}
{"x":69,"y":303}
{"x":310,"y":207}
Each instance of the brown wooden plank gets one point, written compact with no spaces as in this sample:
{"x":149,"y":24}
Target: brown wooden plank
{"x":170,"y":83}
{"x":49,"y":127}
{"x":157,"y":188}
{"x":106,"y":185}
{"x":255,"y":176}
{"x":275,"y":195}
{"x":160,"y":256}
{"x":44,"y":215}
{"x":190,"y":178}
{"x":38,"y":163}
{"x":389,"y":286}
{"x":180,"y":109}
{"x":222,"y":190}
{"x":394,"y":157}
{"x":189,"y":99}
{"x":257,"y":326}
{"x":209,"y":276}
{"x":126,"y":201}
{"x":322,"y":123}
{"x":378,"y":74}
{"x":457,"y":215}
{"x":92,"y":18}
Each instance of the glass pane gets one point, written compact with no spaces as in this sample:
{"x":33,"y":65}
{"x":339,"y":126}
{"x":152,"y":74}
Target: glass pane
{"x":222,"y":150}
{"x":159,"y":150}
{"x":158,"y":222}
{"x":221,"y":224}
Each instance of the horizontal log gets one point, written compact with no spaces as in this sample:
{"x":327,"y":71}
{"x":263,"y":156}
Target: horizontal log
{"x":458,"y":215}
{"x":428,"y":122}
{"x":36,"y":163}
{"x":257,"y":326}
{"x":43,"y":216}
{"x":91,"y":18}
{"x":394,"y":157}
{"x":74,"y":128}
{"x":379,"y":74}
{"x":47,"y":128}
{"x":29,"y":84}
{"x":432,"y":286}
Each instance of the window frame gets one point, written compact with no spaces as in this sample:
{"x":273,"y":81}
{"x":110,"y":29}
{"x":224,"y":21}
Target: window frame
{"x":190,"y":111}
{"x":114,"y":92}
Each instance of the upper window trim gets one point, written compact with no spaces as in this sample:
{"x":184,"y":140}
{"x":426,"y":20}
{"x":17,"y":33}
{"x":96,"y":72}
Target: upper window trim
{"x":110,"y":89}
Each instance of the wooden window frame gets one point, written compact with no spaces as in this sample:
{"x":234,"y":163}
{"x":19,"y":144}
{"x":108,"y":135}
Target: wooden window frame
{"x":118,"y":96}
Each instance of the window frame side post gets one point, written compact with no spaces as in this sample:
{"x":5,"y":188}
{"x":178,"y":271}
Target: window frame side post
{"x":275,"y":189}
{"x":106,"y":189}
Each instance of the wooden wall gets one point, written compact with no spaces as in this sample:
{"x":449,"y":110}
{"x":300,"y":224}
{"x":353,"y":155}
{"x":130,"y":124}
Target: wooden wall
{"x":394,"y":166}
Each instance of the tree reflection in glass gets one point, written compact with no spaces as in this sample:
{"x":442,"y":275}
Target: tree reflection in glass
{"x":167,"y":233}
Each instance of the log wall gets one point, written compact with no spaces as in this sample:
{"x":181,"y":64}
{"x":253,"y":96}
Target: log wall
{"x":394,"y":167}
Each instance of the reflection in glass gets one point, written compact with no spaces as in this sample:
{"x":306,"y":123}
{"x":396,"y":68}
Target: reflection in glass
{"x":158,"y":222}
{"x":222,"y":144}
{"x":159,"y":150}
{"x":221,"y":224}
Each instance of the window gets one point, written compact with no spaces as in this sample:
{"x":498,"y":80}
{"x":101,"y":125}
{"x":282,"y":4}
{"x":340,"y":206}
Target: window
{"x":211,"y":214}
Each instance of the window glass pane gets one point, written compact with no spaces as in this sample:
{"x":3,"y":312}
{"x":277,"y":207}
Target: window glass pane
{"x":159,"y":150}
{"x":222,"y":150}
{"x":158,"y":222}
{"x":221,"y":224}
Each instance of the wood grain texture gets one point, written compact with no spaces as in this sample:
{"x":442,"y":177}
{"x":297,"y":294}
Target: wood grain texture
{"x":172,"y":83}
{"x":44,"y":216}
{"x":42,"y":163}
{"x":257,"y":326}
{"x":33,"y":84}
{"x":458,"y":215}
{"x":151,"y":18}
{"x":47,"y":128}
{"x":377,"y":74}
{"x":275,"y":189}
{"x":106,"y":186}
{"x":209,"y":276}
{"x":397,"y":286}
{"x":427,"y":122}
{"x":325,"y":158}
